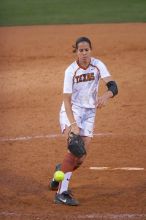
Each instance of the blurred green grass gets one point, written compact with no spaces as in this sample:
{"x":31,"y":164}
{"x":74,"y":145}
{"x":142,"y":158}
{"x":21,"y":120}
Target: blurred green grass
{"x":32,"y":12}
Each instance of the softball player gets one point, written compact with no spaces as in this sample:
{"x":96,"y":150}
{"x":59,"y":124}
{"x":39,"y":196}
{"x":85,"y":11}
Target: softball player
{"x":78,"y":110}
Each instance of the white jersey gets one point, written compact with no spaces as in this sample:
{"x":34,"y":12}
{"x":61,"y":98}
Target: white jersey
{"x":83,"y":83}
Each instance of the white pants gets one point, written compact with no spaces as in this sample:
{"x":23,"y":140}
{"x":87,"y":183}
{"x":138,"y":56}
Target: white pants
{"x":84,"y":117}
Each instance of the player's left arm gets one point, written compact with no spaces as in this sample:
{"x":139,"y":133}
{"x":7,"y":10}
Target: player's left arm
{"x":112,"y":90}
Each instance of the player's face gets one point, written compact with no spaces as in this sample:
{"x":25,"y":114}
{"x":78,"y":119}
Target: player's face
{"x":84,"y":52}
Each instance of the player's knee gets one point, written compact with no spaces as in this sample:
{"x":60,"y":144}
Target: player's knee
{"x":69,"y":163}
{"x":79,"y":162}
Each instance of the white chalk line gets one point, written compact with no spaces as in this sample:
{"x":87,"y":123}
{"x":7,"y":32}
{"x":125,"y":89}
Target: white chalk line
{"x":48,"y":136}
{"x":117,"y":168}
{"x":109,"y":216}
{"x":27,"y":138}
{"x":113,"y":216}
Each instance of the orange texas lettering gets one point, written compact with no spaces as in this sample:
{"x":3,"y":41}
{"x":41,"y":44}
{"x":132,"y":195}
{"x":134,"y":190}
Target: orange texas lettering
{"x":84,"y":77}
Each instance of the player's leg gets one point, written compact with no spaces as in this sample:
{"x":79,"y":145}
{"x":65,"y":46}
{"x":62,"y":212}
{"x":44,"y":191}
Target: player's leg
{"x":70,"y":162}
{"x":68,"y":165}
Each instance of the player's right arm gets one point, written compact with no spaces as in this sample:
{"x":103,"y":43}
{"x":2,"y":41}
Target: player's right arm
{"x":69,"y":112}
{"x":67,"y":94}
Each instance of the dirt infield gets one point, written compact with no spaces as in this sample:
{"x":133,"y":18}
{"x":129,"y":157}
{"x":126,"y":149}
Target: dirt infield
{"x":32,"y":64}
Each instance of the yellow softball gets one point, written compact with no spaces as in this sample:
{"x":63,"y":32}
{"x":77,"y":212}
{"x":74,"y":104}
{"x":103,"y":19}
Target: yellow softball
{"x":58,"y":176}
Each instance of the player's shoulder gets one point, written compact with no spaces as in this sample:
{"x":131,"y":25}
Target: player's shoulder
{"x":96,"y":62}
{"x":72,"y":67}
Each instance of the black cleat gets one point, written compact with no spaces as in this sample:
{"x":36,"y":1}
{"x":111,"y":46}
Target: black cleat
{"x":53,"y":185}
{"x":66,"y":199}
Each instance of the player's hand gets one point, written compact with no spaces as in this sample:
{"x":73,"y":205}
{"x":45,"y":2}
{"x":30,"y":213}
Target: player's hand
{"x":74,"y":128}
{"x":102,"y":100}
